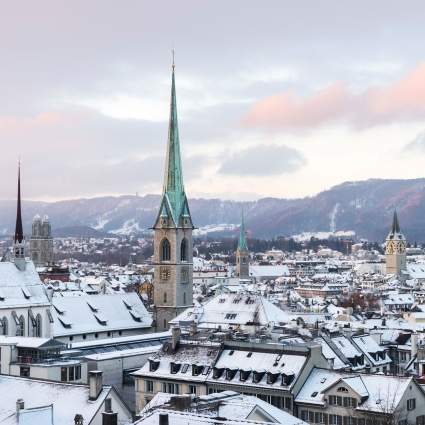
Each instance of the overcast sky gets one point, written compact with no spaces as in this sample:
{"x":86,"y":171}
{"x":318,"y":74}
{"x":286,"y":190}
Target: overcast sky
{"x":276,"y":98}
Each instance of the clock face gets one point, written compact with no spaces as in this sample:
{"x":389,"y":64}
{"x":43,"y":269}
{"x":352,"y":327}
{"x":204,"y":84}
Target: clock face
{"x":390,"y":248}
{"x":165,"y":273}
{"x":400,"y":247}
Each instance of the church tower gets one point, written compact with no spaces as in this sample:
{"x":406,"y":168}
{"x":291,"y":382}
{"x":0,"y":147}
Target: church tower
{"x":173,"y":262}
{"x":41,"y":242}
{"x":395,"y":249}
{"x":242,"y":253}
{"x":18,"y":240}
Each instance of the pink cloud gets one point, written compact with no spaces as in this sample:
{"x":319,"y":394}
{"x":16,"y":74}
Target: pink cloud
{"x":404,"y":100}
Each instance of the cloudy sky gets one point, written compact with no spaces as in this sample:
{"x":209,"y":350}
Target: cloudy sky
{"x":275,"y":98}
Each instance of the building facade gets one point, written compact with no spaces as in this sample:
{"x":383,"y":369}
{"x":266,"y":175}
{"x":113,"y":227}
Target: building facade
{"x":173,"y":252}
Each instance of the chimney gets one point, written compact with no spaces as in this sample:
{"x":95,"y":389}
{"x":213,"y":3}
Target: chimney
{"x":95,"y":384}
{"x":163,"y":419}
{"x":175,"y":337}
{"x":109,"y":418}
{"x":20,"y":405}
{"x":414,"y":344}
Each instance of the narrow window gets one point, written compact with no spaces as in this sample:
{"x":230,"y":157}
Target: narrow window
{"x":165,"y":250}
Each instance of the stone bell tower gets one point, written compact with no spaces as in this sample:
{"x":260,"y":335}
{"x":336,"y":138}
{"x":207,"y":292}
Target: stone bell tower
{"x":395,"y":249}
{"x":173,"y":262}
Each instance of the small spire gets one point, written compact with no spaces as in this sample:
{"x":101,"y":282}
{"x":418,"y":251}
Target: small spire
{"x":242,"y":245}
{"x":395,"y":226}
{"x":173,"y":65}
{"x":19,"y":234}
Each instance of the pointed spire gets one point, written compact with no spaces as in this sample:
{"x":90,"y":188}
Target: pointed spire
{"x":242,"y":245}
{"x":395,"y":226}
{"x":173,"y":178}
{"x":19,"y":234}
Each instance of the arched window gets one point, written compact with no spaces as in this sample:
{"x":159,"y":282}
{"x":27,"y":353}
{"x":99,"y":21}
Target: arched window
{"x":165,"y":250}
{"x":183,"y":250}
{"x":5,"y":326}
{"x":165,"y":297}
{"x":20,"y":330}
{"x":38,"y":327}
{"x":342,"y":390}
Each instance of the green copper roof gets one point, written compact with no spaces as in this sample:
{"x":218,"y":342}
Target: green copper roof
{"x":242,"y":245}
{"x":174,"y":197}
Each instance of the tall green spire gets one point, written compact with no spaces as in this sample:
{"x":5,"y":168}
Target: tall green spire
{"x":174,"y":197}
{"x":242,"y":245}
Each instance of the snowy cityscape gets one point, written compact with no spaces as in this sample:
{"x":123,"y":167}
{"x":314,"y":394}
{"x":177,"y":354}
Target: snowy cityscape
{"x":238,"y":284}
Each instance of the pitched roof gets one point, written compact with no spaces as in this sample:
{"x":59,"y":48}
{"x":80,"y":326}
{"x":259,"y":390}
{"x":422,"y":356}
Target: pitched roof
{"x":98,"y":313}
{"x":68,"y":399}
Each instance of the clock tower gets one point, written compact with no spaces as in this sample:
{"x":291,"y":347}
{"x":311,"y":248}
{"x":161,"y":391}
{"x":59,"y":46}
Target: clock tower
{"x":173,"y":262}
{"x":395,"y":249}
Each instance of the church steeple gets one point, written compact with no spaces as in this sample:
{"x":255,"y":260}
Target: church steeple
{"x":18,"y":240}
{"x":174,"y":203}
{"x":395,"y":228}
{"x":19,"y":234}
{"x":242,"y":245}
{"x":173,"y":245}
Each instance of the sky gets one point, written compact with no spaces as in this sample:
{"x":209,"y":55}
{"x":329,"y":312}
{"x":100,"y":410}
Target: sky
{"x":276,"y":98}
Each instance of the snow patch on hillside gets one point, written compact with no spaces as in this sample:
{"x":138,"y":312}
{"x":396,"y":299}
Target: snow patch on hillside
{"x":306,"y":236}
{"x":129,"y":227}
{"x":214,"y":228}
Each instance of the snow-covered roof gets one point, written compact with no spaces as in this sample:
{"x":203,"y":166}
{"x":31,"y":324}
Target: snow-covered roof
{"x":268,"y":271}
{"x":234,"y":309}
{"x":375,"y":354}
{"x":29,"y":342}
{"x":68,"y":399}
{"x":21,"y":288}
{"x":98,"y":313}
{"x":226,"y":404}
{"x":375,"y":390}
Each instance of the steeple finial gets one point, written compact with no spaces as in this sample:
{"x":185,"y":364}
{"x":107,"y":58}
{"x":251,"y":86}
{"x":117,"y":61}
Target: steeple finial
{"x":242,"y":245}
{"x":172,"y":52}
{"x":395,"y":228}
{"x":19,"y":234}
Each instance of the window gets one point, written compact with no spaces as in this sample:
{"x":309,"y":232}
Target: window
{"x":184,"y":298}
{"x":165,"y":297}
{"x":342,"y":390}
{"x":78,"y":372}
{"x":230,"y":316}
{"x":193,"y":389}
{"x":420,"y":420}
{"x":64,"y":374}
{"x":4,"y":327}
{"x":183,"y":250}
{"x":349,"y":402}
{"x":71,"y":338}
{"x":38,"y":328}
{"x":20,"y":329}
{"x":411,"y":404}
{"x":24,"y":371}
{"x":71,"y":373}
{"x":148,"y":386}
{"x":165,"y":250}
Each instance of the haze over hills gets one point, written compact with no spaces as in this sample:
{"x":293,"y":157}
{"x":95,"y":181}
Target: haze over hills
{"x":364,"y":207}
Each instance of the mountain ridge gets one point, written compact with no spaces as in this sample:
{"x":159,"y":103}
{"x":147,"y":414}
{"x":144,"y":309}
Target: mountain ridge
{"x":364,"y":207}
